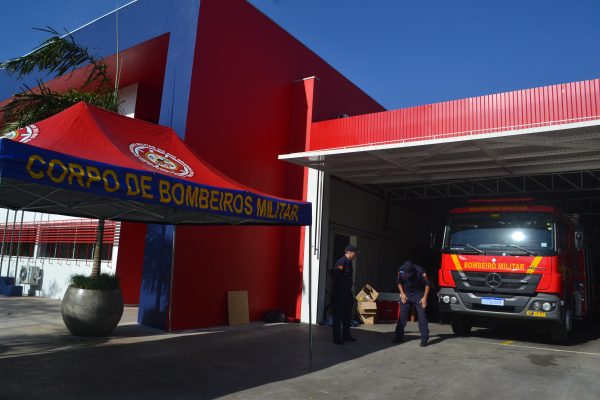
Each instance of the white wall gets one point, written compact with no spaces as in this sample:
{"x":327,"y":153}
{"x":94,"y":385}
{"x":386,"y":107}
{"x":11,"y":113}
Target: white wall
{"x":128,"y":99}
{"x":310,"y":273}
{"x":57,"y":271}
{"x":387,"y":234}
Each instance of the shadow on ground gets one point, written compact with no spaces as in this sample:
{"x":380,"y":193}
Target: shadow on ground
{"x":40,"y":359}
{"x":199,"y":365}
{"x":32,"y":325}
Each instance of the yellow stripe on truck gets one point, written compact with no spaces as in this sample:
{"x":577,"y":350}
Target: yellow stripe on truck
{"x":456,"y":262}
{"x":534,"y":265}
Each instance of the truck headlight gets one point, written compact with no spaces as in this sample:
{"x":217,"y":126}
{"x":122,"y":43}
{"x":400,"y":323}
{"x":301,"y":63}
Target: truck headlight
{"x":446,"y":299}
{"x":536,"y":305}
{"x":546,"y":306}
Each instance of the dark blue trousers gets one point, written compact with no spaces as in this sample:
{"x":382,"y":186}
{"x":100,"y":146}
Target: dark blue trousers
{"x":413,"y":298}
{"x":342,"y":304}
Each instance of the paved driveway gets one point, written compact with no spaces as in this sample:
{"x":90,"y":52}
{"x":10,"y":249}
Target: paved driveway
{"x":40,"y":360}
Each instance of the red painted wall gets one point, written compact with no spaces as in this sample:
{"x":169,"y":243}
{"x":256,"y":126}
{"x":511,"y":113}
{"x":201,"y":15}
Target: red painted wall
{"x":529,"y":108}
{"x":244,"y":110}
{"x":130,"y":260}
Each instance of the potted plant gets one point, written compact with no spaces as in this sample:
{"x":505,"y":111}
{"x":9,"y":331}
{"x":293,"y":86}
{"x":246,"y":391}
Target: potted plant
{"x":93,"y":305}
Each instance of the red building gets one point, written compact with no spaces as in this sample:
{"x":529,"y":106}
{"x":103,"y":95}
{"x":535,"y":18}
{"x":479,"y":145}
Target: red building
{"x":232,"y":83}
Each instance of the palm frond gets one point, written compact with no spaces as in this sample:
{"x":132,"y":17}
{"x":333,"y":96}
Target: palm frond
{"x":32,"y":106}
{"x":57,"y":56}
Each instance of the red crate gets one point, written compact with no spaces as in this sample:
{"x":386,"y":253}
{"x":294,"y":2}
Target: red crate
{"x":387,"y":310}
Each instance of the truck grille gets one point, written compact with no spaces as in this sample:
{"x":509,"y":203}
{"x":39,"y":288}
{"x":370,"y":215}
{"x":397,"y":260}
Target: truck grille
{"x":506,"y":309}
{"x":500,"y":282}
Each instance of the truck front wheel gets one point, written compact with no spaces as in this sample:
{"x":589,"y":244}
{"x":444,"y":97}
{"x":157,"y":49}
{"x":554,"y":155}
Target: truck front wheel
{"x":460,"y":326}
{"x":560,"y":331}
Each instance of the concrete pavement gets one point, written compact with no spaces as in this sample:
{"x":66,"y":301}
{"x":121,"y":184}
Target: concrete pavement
{"x":39,"y":359}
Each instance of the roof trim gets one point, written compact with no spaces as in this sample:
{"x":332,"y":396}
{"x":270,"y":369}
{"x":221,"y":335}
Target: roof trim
{"x":315,"y":154}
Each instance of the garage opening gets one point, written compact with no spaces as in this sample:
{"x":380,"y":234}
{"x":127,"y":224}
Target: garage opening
{"x":392,"y":178}
{"x":392,"y":223}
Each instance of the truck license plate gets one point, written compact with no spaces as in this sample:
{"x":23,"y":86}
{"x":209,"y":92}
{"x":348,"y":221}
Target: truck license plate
{"x":492,"y":301}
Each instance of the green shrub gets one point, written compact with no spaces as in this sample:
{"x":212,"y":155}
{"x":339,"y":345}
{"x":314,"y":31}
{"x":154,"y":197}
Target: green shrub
{"x":100,"y":282}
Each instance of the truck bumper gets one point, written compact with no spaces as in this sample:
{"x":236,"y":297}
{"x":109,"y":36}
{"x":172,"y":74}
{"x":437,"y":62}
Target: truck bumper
{"x":501,"y":305}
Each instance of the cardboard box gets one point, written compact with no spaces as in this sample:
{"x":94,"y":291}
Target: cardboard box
{"x":366,"y":307}
{"x":368,"y":319}
{"x":367,"y":293}
{"x":237,"y":307}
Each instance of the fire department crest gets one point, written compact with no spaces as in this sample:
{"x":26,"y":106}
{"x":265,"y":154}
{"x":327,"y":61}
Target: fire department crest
{"x":160,"y":159}
{"x":22,"y":135}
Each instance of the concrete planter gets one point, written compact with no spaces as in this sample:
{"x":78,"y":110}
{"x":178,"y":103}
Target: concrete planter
{"x":89,"y":312}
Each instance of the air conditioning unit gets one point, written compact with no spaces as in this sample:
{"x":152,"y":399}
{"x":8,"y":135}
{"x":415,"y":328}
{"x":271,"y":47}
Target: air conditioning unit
{"x":31,"y":275}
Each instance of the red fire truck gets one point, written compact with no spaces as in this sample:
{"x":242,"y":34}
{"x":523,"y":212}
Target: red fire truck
{"x":513,"y":261}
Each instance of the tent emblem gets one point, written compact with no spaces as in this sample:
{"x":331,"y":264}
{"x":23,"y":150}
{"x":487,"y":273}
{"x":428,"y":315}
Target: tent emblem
{"x":22,"y":135}
{"x":160,"y":159}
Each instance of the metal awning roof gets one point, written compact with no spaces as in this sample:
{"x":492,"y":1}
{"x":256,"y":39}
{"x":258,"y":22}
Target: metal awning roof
{"x":522,"y":152}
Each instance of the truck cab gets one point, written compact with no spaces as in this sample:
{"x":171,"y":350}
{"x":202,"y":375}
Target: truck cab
{"x":511,"y":262}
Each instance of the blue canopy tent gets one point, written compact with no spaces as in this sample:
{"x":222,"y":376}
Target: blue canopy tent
{"x":93,"y":163}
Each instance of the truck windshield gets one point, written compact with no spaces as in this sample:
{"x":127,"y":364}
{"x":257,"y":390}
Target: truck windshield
{"x":501,"y":233}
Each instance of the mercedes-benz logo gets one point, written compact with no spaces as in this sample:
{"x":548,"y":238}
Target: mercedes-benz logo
{"x":494,"y":280}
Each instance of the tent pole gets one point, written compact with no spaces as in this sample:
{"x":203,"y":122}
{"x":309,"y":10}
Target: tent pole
{"x":310,"y":296}
{"x":4,"y":243}
{"x":170,"y":315}
{"x":19,"y":247}
{"x":10,"y":249}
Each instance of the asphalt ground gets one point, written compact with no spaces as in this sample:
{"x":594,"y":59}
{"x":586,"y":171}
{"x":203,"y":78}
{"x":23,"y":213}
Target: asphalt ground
{"x":39,"y":359}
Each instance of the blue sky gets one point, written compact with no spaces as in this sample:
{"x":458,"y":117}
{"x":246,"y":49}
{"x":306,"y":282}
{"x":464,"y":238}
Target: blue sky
{"x":402,"y":53}
{"x":20,"y":17}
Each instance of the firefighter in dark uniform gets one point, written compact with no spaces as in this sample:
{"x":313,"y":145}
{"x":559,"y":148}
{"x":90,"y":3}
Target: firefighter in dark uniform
{"x":414,"y":285}
{"x":342,"y":298}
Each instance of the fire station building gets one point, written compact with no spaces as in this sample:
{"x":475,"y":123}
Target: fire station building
{"x":263,"y":109}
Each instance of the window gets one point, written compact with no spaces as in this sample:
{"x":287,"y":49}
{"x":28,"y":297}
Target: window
{"x":72,"y":239}
{"x":25,"y":250}
{"x":79,"y":251}
{"x":502,"y":231}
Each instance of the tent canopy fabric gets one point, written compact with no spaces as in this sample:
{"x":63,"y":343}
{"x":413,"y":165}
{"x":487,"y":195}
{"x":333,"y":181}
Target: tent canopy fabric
{"x":94,"y":163}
